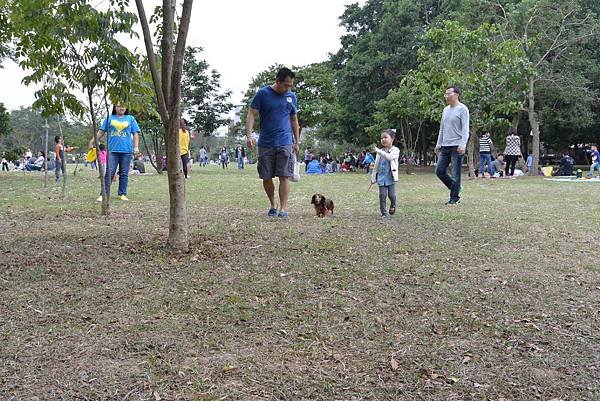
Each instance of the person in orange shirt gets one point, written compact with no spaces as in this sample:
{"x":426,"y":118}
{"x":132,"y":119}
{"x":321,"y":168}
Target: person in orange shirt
{"x":184,"y":146}
{"x":60,"y":164}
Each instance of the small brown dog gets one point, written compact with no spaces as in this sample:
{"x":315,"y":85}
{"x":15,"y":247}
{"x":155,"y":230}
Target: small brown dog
{"x":322,"y":205}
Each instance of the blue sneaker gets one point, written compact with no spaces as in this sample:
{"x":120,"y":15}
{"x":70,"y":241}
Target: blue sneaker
{"x":272,"y":212}
{"x":283,"y":215}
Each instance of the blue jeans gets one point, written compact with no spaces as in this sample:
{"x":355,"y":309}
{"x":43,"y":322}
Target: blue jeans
{"x":123,"y":160}
{"x":240,"y":162}
{"x":593,"y":167}
{"x":449,"y":156}
{"x":483,"y":159}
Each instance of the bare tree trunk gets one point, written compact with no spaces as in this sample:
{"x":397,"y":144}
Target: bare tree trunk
{"x":101,"y":172}
{"x":407,"y":150}
{"x":63,"y":161}
{"x":178,"y":229}
{"x":46,"y":156}
{"x":167,"y":86}
{"x":535,"y":129}
{"x":515,"y":120}
{"x":156,"y":156}
{"x":471,"y":152}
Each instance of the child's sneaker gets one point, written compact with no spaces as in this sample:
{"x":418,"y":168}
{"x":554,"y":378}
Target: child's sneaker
{"x":272,"y":212}
{"x":99,"y":199}
{"x":392,"y":211}
{"x":123,"y":198}
{"x":283,"y":215}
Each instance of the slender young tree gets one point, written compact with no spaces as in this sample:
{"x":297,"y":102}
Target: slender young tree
{"x":167,"y":85}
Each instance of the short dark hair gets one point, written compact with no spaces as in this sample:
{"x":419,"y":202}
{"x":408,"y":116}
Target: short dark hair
{"x":101,"y":146}
{"x":57,"y":138}
{"x":512,"y":131}
{"x":284,"y":73}
{"x":454,"y":88}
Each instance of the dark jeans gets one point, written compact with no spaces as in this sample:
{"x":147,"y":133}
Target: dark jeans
{"x":58,"y":167}
{"x":33,"y":167}
{"x":122,"y":160}
{"x":511,"y":162}
{"x":185,"y":159}
{"x":449,"y":157}
{"x":4,"y":166}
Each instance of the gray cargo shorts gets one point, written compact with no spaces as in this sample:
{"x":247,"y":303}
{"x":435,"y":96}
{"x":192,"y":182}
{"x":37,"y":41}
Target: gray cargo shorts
{"x":275,"y":162}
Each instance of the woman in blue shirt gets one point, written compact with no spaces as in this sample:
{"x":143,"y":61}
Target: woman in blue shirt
{"x":123,"y":141}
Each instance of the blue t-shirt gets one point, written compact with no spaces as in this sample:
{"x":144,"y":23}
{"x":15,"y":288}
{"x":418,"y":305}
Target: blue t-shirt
{"x":597,"y":159}
{"x":120,"y":132}
{"x":275,"y":111}
{"x":384,"y":173}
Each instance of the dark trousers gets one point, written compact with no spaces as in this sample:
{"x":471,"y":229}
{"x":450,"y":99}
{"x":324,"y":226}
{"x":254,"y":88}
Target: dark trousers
{"x":449,"y":156}
{"x":58,"y":168}
{"x":185,"y":159}
{"x":511,"y":162}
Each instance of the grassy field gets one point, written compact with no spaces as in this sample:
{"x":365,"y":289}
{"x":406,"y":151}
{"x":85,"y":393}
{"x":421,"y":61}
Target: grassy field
{"x":495,"y":299}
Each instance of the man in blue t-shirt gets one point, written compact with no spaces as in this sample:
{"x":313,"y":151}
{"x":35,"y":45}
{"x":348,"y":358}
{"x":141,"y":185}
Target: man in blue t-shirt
{"x":123,"y":141}
{"x":279,"y":137}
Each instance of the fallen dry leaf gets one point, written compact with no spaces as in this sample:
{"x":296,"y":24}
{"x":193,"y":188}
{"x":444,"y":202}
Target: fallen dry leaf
{"x":394,"y":363}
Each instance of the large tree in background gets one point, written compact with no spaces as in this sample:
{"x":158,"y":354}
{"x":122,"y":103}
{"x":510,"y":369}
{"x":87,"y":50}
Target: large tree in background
{"x":167,"y":87}
{"x":203,"y":101}
{"x":377,"y":52}
{"x":26,"y":130}
{"x":558,"y":38}
{"x":5,"y":125}
{"x":491,"y":73}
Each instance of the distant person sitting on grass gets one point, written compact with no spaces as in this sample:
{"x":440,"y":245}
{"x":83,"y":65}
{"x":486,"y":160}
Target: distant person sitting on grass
{"x":368,"y":161}
{"x":313,"y":167}
{"x":37,"y":164}
{"x":138,"y":165}
{"x":566,"y":166}
{"x":498,"y":166}
{"x":595,"y":160}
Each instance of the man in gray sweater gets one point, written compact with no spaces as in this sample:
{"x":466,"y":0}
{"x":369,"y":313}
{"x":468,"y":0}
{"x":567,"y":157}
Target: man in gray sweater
{"x":451,"y":142}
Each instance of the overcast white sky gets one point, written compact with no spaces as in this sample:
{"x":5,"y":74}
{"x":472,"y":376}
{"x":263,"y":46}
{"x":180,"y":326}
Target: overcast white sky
{"x":240,"y":38}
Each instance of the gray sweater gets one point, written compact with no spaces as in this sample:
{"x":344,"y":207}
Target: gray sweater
{"x":454,"y":127}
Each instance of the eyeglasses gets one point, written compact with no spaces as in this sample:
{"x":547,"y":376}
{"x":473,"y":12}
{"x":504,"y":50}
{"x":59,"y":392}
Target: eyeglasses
{"x":448,"y":94}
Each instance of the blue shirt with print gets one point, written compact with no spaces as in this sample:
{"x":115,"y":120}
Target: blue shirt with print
{"x":384,"y":173}
{"x":120,"y":132}
{"x":275,"y":111}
